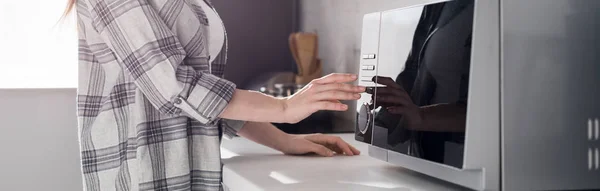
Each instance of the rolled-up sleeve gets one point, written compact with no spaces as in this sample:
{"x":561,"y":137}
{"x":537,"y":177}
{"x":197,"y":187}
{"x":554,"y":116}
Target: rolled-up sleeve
{"x":147,"y":50}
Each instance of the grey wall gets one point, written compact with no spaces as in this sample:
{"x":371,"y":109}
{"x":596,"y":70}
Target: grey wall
{"x":258,"y":32}
{"x":38,"y":140}
{"x":339,"y":24}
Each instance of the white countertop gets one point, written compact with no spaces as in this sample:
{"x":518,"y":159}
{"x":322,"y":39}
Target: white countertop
{"x":249,"y":166}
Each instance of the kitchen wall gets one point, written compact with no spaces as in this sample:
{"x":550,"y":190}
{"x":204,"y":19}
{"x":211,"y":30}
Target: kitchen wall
{"x":339,"y":24}
{"x":39,"y":148}
{"x":258,"y":32}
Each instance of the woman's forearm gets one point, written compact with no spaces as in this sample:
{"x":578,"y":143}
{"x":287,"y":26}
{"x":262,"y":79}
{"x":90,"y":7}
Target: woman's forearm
{"x":265,"y":134}
{"x":254,"y":106}
{"x":320,"y":94}
{"x":268,"y":135}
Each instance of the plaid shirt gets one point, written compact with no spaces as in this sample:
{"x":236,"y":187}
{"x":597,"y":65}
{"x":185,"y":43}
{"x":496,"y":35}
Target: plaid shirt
{"x":149,"y":98}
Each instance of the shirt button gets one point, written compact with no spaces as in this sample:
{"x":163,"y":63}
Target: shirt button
{"x":178,"y":101}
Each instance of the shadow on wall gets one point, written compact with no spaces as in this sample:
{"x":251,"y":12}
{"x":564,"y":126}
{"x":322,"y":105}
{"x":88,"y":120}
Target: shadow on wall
{"x":38,"y":140}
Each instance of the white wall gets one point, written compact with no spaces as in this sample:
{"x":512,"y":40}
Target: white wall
{"x":38,"y":140}
{"x":37,"y":47}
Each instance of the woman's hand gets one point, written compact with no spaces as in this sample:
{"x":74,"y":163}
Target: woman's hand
{"x":324,"y":145}
{"x":321,"y":94}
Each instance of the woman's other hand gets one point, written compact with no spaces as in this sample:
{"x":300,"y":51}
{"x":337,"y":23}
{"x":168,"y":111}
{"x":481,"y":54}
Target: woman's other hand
{"x":321,"y":94}
{"x":324,"y":145}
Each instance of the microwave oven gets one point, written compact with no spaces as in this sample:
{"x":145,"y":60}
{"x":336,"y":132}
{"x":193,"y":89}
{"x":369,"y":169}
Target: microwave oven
{"x":486,"y":94}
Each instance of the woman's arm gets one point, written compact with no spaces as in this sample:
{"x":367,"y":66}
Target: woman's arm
{"x":320,"y":94}
{"x":268,"y":135}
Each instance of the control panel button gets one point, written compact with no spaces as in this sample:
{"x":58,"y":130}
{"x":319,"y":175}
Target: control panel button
{"x":369,"y":56}
{"x":368,"y":67}
{"x":366,"y":78}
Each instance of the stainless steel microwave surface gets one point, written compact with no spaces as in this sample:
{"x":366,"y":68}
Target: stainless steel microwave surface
{"x":417,"y":101}
{"x":486,"y":94}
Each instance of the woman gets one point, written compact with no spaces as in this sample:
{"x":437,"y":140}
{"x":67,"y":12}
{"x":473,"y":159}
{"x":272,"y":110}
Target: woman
{"x":153,"y":104}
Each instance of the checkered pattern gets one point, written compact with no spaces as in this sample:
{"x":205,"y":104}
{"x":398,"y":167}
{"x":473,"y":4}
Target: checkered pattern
{"x":148,"y":97}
